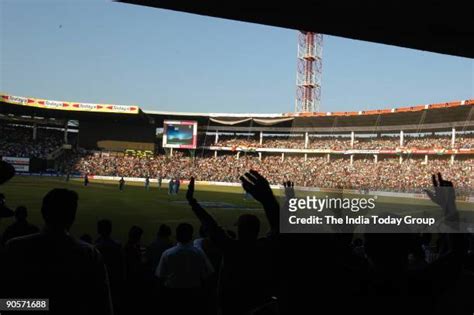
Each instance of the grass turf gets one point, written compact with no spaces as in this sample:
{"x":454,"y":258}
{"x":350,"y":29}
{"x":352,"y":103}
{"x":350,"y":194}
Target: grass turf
{"x":133,"y":206}
{"x":149,"y":209}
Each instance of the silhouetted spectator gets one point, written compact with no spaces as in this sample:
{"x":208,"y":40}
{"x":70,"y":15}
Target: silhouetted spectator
{"x":214,"y":254}
{"x":245,"y":280}
{"x":54,"y":264}
{"x":136,"y":284}
{"x":158,"y":246}
{"x":202,"y":236}
{"x":112,"y":252}
{"x":205,"y":244}
{"x":133,"y":251}
{"x":183,"y":269}
{"x":5,"y":212}
{"x":20,"y":227}
{"x":7,"y":171}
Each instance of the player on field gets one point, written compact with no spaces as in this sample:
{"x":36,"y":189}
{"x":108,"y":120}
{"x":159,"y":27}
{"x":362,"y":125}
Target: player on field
{"x":147,"y":182}
{"x":171,"y":186}
{"x":160,"y":179}
{"x":86,"y":179}
{"x":176,"y":185}
{"x":121,"y":184}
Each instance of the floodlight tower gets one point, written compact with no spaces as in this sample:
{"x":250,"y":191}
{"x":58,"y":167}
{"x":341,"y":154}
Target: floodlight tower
{"x":308,"y":73}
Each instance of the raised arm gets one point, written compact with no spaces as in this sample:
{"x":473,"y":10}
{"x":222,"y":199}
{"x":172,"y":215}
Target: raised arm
{"x":258,"y":186}
{"x":216,"y":233}
{"x":444,"y":195}
{"x":205,"y":218}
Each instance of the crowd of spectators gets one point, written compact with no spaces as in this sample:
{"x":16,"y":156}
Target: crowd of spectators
{"x":285,"y":143}
{"x":386,"y":174}
{"x":18,"y":141}
{"x":440,"y":142}
{"x":110,"y":164}
{"x":229,"y":141}
{"x":463,"y":141}
{"x":333,"y":143}
{"x":379,"y":143}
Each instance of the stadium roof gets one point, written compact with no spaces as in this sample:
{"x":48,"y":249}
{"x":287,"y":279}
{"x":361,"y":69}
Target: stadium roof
{"x":430,"y":117}
{"x":430,"y":25}
{"x":66,"y":110}
{"x":439,"y":117}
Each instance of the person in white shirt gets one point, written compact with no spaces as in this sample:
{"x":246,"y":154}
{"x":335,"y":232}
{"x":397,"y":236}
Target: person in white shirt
{"x":182,"y":271}
{"x":184,"y":266}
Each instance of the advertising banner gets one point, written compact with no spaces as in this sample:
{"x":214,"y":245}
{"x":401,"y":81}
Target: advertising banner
{"x":20,"y":164}
{"x":69,"y":106}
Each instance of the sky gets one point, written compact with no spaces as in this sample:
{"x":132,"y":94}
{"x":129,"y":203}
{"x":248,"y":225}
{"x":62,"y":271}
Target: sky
{"x":98,"y":51}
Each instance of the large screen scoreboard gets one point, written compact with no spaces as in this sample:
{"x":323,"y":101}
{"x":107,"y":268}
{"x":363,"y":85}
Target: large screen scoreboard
{"x":180,"y":134}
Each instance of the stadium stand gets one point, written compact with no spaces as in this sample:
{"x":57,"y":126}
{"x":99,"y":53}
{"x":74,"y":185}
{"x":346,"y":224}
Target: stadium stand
{"x":19,"y":141}
{"x":314,"y":172}
{"x":240,"y":273}
{"x":344,"y":148}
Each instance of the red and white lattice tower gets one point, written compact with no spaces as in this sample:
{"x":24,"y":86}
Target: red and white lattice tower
{"x":309,"y":70}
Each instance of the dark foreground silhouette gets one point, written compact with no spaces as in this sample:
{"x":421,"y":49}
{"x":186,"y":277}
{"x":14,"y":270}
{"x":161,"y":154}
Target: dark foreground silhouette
{"x":223,"y":272}
{"x":53,"y":264}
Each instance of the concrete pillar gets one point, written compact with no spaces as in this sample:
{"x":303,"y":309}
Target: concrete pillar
{"x":401,"y":138}
{"x":401,"y":159}
{"x":260,"y":156}
{"x":282,"y":157}
{"x":217,"y":137}
{"x":35,"y":131}
{"x":237,"y":155}
{"x":171,"y":152}
{"x":215,"y":153}
{"x":352,"y":139}
{"x":453,"y":138}
{"x":376,"y":158}
{"x":426,"y":159}
{"x":65,"y":131}
{"x":306,"y":157}
{"x":452,"y":159}
{"x":261,"y":138}
{"x":328,"y":157}
{"x":306,"y":140}
{"x":352,"y":159}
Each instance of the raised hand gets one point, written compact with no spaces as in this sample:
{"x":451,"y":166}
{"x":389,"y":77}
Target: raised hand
{"x":257,"y":186}
{"x":206,"y":219}
{"x":444,"y":194}
{"x":289,"y":189}
{"x":190,"y":192}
